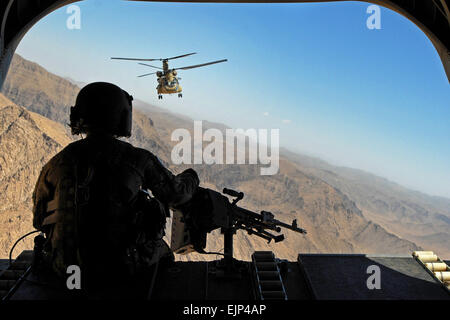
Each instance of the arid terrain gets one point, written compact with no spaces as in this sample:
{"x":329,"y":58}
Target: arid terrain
{"x":344,"y":210}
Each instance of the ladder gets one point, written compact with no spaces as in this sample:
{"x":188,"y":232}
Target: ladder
{"x":267,"y":279}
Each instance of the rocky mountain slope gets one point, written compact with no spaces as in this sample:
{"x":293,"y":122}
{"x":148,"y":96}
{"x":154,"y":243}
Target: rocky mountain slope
{"x":27,"y":141}
{"x":333,"y":219}
{"x":410,"y":214}
{"x":31,"y":86}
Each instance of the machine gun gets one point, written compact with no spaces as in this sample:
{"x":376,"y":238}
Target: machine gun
{"x":209,"y":210}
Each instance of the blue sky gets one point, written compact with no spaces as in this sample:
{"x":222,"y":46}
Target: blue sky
{"x":376,"y":100}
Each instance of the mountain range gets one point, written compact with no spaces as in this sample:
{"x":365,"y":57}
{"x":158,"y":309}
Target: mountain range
{"x":344,"y":210}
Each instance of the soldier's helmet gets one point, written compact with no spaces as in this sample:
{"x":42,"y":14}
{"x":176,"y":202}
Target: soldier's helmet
{"x":102,"y":107}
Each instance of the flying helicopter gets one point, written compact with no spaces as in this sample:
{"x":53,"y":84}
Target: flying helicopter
{"x":167,"y":78}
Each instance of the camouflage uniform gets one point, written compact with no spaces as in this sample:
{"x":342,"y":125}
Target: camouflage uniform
{"x":109,"y":176}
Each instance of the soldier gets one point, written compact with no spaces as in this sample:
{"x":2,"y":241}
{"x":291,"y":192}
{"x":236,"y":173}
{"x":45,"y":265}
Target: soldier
{"x":90,"y":198}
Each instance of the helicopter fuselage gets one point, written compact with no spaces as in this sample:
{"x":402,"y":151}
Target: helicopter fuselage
{"x":168,"y":82}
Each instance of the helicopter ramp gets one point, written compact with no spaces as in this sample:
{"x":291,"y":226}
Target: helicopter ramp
{"x":345,"y":277}
{"x":312,"y":276}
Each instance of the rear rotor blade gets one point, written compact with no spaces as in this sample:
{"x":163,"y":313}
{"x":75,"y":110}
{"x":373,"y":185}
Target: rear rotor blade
{"x":201,"y":65}
{"x":147,"y":74}
{"x":148,"y":65}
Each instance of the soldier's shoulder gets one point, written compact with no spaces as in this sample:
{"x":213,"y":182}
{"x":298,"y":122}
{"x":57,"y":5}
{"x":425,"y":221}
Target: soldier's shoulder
{"x":144,"y":152}
{"x":134,"y":150}
{"x":71,"y":149}
{"x":66,"y":154}
{"x":141,"y":155}
{"x":148,"y":156}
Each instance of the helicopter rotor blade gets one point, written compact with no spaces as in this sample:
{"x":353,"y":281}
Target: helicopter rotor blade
{"x":184,"y":55}
{"x":201,"y":65}
{"x":134,"y":59}
{"x":158,"y":59}
{"x":148,"y":65}
{"x":147,"y":74}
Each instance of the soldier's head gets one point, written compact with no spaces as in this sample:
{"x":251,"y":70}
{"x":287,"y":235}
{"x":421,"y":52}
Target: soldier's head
{"x":104,"y":108}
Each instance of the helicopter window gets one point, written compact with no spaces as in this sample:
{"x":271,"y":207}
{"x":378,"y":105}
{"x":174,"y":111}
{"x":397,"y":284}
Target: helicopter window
{"x":332,"y":86}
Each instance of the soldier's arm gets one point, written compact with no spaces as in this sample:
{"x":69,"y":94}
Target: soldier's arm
{"x":41,"y":195}
{"x":167,"y":187}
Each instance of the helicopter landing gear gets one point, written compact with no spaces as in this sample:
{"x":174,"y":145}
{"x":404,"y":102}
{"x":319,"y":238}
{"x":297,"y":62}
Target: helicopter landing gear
{"x":159,"y":96}
{"x":180,"y":95}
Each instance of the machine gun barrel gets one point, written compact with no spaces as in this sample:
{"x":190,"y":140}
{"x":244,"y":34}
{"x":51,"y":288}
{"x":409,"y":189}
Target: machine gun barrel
{"x":292,"y":226}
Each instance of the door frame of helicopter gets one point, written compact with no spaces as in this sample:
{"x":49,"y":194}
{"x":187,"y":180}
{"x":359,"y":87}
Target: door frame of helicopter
{"x":12,"y":31}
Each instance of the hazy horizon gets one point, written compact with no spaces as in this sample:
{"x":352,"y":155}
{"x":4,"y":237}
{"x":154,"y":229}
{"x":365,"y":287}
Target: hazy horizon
{"x":356,"y":113}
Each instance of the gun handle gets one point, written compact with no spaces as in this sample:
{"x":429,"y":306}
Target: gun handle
{"x":233,"y":193}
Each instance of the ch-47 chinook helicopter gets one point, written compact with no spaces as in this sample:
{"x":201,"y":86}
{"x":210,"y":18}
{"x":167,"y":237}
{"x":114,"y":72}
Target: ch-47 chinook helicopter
{"x":167,"y":78}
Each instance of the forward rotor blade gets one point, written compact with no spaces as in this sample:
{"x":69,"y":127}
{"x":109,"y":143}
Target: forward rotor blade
{"x":148,"y":65}
{"x":147,"y":74}
{"x":134,"y":59}
{"x":184,"y":55}
{"x":159,"y":59}
{"x":201,"y":65}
